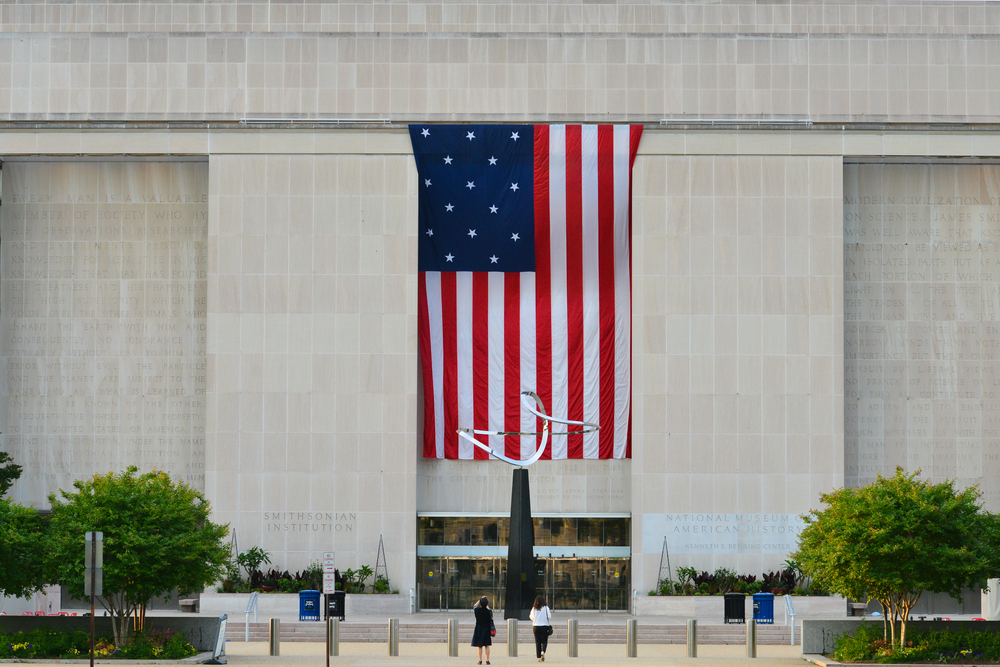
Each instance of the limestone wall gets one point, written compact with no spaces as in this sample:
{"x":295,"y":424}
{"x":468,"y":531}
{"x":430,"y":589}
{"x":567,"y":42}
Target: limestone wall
{"x":103,"y":312}
{"x":921,"y":321}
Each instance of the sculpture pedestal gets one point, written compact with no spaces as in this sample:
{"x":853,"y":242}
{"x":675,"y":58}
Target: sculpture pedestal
{"x":520,"y":585}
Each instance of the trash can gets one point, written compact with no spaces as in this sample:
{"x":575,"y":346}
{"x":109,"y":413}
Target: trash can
{"x":735,"y":607}
{"x":308,"y":605}
{"x":336,"y":603}
{"x":763,"y":608}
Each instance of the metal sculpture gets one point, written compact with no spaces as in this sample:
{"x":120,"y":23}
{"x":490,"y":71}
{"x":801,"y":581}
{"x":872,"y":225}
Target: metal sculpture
{"x":520,"y":587}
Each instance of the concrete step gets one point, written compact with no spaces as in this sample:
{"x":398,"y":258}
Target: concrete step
{"x":587,"y":634}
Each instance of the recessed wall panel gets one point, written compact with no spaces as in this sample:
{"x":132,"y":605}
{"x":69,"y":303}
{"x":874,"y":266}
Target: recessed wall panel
{"x":102,"y":304}
{"x":922,"y":322}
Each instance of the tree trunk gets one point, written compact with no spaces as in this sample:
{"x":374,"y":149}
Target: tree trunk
{"x":885,"y":619}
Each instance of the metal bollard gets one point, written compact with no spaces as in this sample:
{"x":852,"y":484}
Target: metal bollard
{"x":511,"y":637}
{"x":572,"y":639}
{"x":751,"y":638}
{"x":453,"y":637}
{"x":692,"y":638}
{"x":631,"y":640}
{"x":333,"y":636}
{"x":393,"y":637}
{"x":274,"y":636}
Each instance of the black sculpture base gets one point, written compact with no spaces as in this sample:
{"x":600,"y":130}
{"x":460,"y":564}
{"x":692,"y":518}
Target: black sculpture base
{"x":520,"y":588}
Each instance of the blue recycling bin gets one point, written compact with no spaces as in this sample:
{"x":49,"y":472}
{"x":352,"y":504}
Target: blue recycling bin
{"x":763,"y":608}
{"x":308,"y":605}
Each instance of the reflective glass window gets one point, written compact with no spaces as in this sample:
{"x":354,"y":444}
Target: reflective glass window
{"x":430,"y":531}
{"x":616,"y":532}
{"x":484,"y":531}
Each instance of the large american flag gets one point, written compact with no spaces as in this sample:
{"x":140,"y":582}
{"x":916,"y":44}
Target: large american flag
{"x":524,"y":266}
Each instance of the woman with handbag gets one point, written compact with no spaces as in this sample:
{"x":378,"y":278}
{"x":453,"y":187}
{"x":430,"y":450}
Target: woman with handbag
{"x":541,"y":624}
{"x":482,"y":636}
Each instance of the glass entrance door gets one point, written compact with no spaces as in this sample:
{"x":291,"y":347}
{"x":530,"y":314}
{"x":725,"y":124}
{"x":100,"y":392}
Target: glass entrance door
{"x":458,"y":583}
{"x":591,"y":584}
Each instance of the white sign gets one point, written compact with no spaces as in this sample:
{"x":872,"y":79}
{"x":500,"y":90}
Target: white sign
{"x":328,"y":561}
{"x":708,"y":533}
{"x":329,"y":582}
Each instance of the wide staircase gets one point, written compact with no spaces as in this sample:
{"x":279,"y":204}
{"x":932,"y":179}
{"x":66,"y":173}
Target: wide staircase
{"x":437,"y":633}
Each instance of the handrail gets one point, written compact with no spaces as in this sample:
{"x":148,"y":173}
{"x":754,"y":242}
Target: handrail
{"x":790,"y":612}
{"x":251,"y":607}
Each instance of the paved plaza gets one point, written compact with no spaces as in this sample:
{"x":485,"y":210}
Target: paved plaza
{"x":421,"y":655}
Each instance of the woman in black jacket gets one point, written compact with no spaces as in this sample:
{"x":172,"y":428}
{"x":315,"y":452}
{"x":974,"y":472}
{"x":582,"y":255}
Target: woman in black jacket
{"x":482,"y":636}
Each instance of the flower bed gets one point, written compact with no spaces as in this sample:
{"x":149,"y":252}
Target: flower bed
{"x":964,"y":645}
{"x":42,"y":643}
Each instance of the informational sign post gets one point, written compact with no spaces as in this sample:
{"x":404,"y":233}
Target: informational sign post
{"x":329,"y":572}
{"x":329,"y":586}
{"x":93,"y":575}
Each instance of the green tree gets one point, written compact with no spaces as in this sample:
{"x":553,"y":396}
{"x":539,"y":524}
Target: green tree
{"x":157,"y":538}
{"x":22,"y":549}
{"x":896,"y":538}
{"x":9,"y":473}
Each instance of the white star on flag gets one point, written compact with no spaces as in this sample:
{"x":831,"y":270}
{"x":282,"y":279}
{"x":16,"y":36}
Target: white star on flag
{"x":470,"y":136}
{"x":447,"y":159}
{"x":493,"y":259}
{"x":516,"y":236}
{"x":515,"y":136}
{"x":430,"y":232}
{"x":493,"y":209}
{"x":472,"y":233}
{"x":470,"y":184}
{"x":449,"y":257}
{"x":493,"y":161}
{"x":426,"y":132}
{"x":427,"y":182}
{"x":448,"y":207}
{"x":513,"y":186}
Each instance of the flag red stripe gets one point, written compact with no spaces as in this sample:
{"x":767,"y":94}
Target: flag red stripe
{"x":426,"y":370}
{"x":449,"y":332}
{"x":543,"y":274}
{"x":635,"y":134}
{"x":574,"y":282}
{"x":606,"y":272}
{"x":480,"y":357}
{"x":512,"y":363}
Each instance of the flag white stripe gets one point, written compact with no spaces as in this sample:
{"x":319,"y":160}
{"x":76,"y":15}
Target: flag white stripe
{"x":463,"y":352}
{"x":557,"y":246}
{"x":528,"y":381}
{"x":432,"y":280}
{"x":496,"y":357}
{"x":623,"y":287}
{"x":591,"y":290}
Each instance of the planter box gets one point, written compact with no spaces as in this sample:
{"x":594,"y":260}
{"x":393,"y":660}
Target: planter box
{"x":711,"y":606}
{"x":287,"y":604}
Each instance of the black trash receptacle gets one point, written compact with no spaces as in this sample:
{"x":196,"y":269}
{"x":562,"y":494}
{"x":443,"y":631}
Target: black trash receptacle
{"x":735,"y":607}
{"x":336,"y":604}
{"x":763,"y":608}
{"x":308,"y":605}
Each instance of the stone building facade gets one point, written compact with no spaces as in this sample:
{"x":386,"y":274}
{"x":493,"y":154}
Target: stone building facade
{"x":208,"y":255}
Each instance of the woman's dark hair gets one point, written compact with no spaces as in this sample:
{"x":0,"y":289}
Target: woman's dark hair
{"x":539,"y":602}
{"x":484,"y":602}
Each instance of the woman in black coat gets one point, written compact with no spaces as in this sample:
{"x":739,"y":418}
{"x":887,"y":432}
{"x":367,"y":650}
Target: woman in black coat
{"x":481,"y":636}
